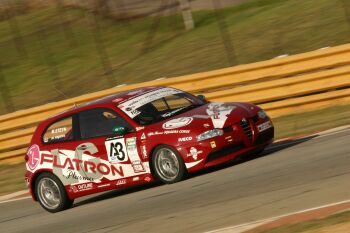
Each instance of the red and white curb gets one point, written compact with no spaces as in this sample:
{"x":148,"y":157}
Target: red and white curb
{"x":336,"y":207}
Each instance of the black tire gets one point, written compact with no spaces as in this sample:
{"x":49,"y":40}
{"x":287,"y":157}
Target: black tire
{"x":48,"y":186}
{"x":168,"y":165}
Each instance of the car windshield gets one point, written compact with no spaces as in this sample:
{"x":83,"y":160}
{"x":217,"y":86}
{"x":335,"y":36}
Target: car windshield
{"x":158,"y":105}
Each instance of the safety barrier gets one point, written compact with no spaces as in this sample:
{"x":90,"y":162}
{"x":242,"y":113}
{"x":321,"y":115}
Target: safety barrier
{"x":281,"y":86}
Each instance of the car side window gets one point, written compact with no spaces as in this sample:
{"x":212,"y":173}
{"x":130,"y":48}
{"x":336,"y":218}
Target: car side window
{"x":100,"y":122}
{"x":60,"y":131}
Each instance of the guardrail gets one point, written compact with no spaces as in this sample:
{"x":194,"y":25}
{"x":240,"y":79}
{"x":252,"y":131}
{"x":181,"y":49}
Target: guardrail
{"x":293,"y":84}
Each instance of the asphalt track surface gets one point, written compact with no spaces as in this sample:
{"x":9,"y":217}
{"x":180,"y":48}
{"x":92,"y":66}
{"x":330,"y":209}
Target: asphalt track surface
{"x":306,"y":173}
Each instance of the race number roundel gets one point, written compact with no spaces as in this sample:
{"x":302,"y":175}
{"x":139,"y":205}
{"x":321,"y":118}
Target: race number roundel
{"x":33,"y":157}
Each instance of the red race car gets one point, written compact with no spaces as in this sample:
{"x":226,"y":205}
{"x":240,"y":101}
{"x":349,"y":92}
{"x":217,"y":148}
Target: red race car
{"x":136,"y":137}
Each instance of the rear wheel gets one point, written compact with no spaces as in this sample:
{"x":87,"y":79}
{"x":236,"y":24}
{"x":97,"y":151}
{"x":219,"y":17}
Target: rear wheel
{"x":168,"y":165}
{"x":51,"y":193}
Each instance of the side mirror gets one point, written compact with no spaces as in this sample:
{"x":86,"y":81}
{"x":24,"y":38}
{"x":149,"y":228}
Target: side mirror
{"x":202,"y":98}
{"x":120,"y":130}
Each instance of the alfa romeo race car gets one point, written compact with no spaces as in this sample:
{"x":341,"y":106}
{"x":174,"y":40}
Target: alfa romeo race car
{"x":136,"y":137}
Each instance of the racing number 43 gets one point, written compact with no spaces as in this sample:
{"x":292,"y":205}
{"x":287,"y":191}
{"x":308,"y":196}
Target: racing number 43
{"x":116,"y":150}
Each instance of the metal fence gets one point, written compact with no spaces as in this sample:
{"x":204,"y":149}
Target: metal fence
{"x":52,"y":50}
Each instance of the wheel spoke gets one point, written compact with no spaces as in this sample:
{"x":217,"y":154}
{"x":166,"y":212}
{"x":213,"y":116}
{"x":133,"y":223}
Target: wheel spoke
{"x":167,"y":164}
{"x":49,"y":193}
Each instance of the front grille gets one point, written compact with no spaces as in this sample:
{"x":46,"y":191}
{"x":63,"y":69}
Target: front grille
{"x":228,"y":129}
{"x":224,"y":151}
{"x":246,"y":128}
{"x":255,"y":118}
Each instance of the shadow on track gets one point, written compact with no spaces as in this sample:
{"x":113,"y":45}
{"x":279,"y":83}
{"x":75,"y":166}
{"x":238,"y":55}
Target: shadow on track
{"x":241,"y":159}
{"x":248,"y":157}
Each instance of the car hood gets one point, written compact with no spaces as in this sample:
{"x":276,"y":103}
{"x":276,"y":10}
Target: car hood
{"x":211,"y":115}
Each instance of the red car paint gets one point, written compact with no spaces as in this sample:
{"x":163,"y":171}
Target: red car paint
{"x":91,"y":165}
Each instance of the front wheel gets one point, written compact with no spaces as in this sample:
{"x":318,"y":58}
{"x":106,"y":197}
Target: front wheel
{"x":51,"y":193}
{"x":168,"y":166}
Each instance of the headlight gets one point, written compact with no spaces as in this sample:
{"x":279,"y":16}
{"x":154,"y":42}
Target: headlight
{"x":262,"y":114}
{"x":210,"y":134}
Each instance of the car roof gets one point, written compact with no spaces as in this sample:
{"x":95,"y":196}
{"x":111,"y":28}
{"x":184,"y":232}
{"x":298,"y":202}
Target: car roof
{"x":114,"y":100}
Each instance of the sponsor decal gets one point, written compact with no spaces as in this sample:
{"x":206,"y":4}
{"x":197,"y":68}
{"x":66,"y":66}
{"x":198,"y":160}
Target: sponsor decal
{"x":213,"y":144}
{"x":175,"y":131}
{"x":148,"y":179}
{"x":134,"y":155}
{"x":143,"y":136}
{"x":177,"y":123}
{"x":144,"y":152}
{"x":86,"y":166}
{"x":81,"y":166}
{"x":131,"y":141}
{"x":168,"y":114}
{"x":59,"y":130}
{"x":219,"y":113}
{"x":112,"y":138}
{"x":81,"y":187}
{"x":206,"y":125}
{"x":121,"y":182}
{"x":116,"y":150}
{"x":229,"y":138}
{"x":155,"y":133}
{"x":131,"y":105}
{"x":117,"y":100}
{"x":76,"y":176}
{"x":264,"y":126}
{"x":194,"y":153}
{"x":140,"y":128}
{"x":33,"y":156}
{"x":185,"y":139}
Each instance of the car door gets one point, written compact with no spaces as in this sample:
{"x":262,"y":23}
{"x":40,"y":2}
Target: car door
{"x":112,"y":143}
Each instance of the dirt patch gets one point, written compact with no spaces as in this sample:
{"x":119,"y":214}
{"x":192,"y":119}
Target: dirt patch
{"x":324,"y":218}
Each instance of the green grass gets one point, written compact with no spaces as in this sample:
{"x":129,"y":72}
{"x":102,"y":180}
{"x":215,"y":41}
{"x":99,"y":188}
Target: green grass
{"x":260,"y":30}
{"x":339,"y":218}
{"x":309,"y":122}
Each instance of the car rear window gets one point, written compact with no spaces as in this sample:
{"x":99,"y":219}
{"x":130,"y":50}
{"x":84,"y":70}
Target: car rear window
{"x":60,"y":131}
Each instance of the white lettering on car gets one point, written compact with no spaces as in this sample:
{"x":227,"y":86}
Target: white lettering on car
{"x":185,"y":139}
{"x":129,"y":107}
{"x":144,"y":152}
{"x":121,"y":182}
{"x":175,"y":131}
